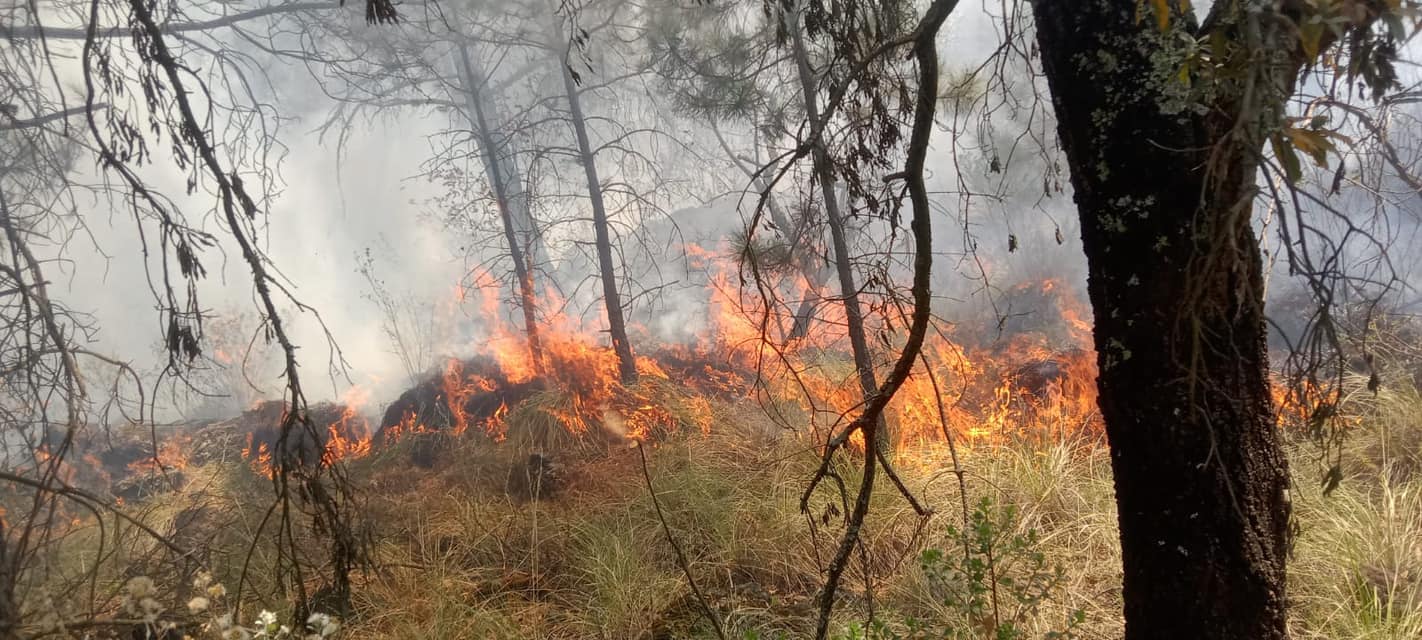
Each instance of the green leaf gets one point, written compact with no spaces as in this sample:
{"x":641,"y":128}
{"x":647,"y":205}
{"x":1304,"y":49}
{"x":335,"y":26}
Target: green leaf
{"x":1311,"y":37}
{"x":1287,"y":157}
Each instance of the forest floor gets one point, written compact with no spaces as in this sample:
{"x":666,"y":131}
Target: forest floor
{"x":460,"y":551}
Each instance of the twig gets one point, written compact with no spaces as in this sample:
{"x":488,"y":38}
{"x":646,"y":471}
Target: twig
{"x":926,"y":54}
{"x":680,"y":557}
{"x":958,"y":470}
{"x":95,"y":503}
{"x":918,"y":507}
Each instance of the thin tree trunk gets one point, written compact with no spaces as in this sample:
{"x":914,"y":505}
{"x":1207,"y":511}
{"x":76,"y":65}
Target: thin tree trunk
{"x":792,"y":231}
{"x":814,"y":271}
{"x":9,"y":575}
{"x":474,"y":87}
{"x":1176,"y":285}
{"x":616,"y":325}
{"x":925,"y":103}
{"x":805,"y":313}
{"x":516,"y":195}
{"x":824,"y":175}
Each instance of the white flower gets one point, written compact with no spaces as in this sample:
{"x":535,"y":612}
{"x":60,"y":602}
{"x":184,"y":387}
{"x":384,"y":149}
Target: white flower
{"x":149,"y":608}
{"x":266,"y":619}
{"x":321,"y":625}
{"x":198,"y":604}
{"x":139,"y":587}
{"x":138,"y":599}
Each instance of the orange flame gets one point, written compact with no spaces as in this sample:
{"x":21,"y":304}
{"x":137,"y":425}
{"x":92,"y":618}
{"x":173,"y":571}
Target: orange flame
{"x":984,"y":389}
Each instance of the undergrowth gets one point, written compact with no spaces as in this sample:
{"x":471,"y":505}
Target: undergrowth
{"x":456,"y":554}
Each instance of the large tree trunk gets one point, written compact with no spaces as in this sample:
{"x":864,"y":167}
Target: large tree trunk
{"x":497,"y":164}
{"x":1176,"y":285}
{"x":616,"y":326}
{"x":824,"y":175}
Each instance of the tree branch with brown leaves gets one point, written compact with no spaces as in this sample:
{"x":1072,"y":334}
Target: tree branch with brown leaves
{"x":925,"y":53}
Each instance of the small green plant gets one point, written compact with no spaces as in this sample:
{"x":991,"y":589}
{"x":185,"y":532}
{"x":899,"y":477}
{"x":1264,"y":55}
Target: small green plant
{"x":752,"y":634}
{"x":994,"y":578}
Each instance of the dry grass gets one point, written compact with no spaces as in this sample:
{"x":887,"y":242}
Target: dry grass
{"x":1357,"y":570}
{"x":594,"y":562}
{"x":460,"y":556}
{"x":462,"y":559}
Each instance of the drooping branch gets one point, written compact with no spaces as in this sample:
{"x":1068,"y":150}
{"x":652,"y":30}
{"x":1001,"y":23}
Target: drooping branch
{"x":11,"y":123}
{"x":26,"y":32}
{"x":171,"y":98}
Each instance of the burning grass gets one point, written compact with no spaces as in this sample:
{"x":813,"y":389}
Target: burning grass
{"x":503,"y":496}
{"x":457,"y":554}
{"x":592,"y":564}
{"x":584,"y":565}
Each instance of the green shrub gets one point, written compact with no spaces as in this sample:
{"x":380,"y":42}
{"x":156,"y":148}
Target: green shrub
{"x":992,"y":580}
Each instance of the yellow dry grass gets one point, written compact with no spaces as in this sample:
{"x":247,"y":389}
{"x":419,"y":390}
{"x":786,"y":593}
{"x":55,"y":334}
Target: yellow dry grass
{"x":457,"y":556}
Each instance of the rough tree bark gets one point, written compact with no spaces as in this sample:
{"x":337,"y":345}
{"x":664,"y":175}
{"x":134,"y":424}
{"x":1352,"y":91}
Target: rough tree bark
{"x":521,"y":241}
{"x":1175,"y":279}
{"x":612,"y":301}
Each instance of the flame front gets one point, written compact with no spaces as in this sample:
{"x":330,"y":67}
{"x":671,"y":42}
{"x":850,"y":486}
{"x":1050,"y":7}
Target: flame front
{"x":981,"y":388}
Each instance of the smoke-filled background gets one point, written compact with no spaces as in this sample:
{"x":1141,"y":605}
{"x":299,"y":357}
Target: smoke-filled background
{"x":376,"y":190}
{"x":503,"y":300}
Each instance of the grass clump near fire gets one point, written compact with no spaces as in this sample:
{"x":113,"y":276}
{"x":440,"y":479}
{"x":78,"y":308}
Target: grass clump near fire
{"x":527,"y":515}
{"x":460,"y":553}
{"x":462,"y":558}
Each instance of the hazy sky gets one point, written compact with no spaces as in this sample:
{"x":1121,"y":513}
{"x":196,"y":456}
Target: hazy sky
{"x":324,"y":218}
